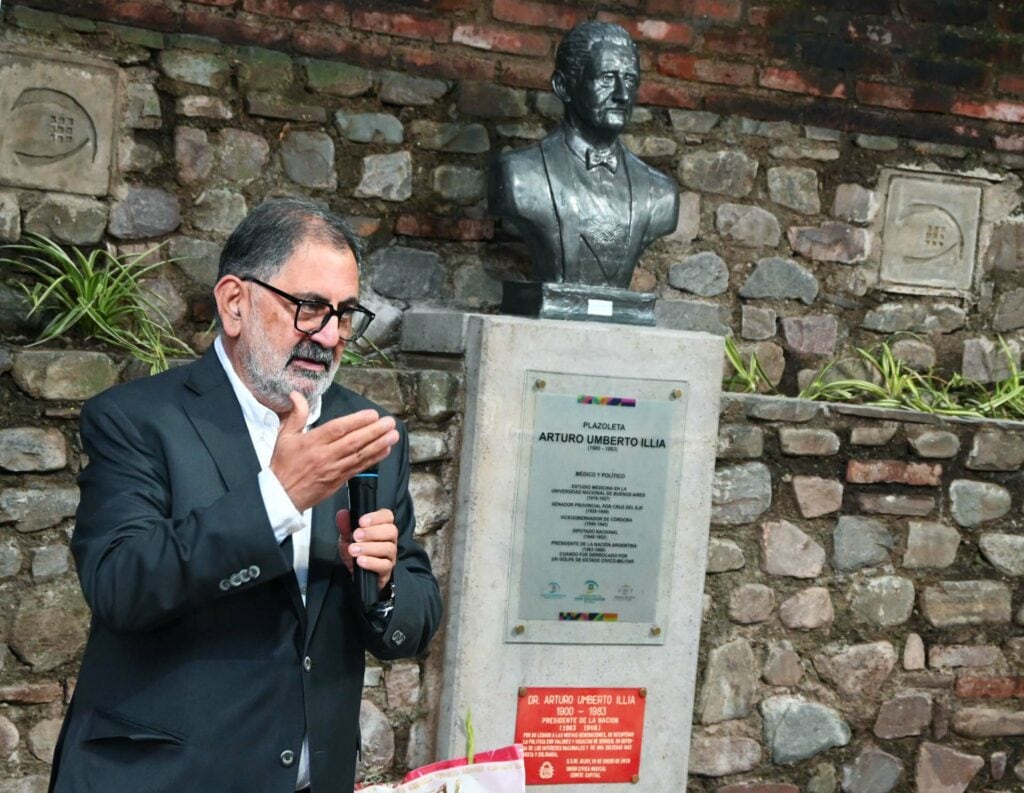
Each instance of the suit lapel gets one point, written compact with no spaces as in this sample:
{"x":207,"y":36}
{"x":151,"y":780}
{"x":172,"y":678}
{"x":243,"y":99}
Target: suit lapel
{"x":218,"y":421}
{"x":566,"y":200}
{"x":640,"y":215}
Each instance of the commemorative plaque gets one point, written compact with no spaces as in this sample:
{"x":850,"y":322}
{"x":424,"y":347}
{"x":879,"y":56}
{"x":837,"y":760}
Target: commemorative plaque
{"x":594,"y":524}
{"x":581,"y":735}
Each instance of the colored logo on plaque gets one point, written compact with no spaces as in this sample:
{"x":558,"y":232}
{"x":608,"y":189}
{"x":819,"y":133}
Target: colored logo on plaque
{"x":610,"y":401}
{"x":588,"y":616}
{"x":553,"y":591}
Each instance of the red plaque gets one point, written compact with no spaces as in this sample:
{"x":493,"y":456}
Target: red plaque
{"x":581,"y":735}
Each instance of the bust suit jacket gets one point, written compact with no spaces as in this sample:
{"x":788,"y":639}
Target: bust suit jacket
{"x":203,"y":669}
{"x":535,"y":187}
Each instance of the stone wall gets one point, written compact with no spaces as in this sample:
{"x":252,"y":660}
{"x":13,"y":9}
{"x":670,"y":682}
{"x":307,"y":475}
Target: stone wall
{"x":802,"y":233}
{"x":44,"y":621}
{"x":863,"y":603}
{"x":893,"y":583}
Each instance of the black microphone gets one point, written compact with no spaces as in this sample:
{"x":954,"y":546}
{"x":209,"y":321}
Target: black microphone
{"x":362,"y":500}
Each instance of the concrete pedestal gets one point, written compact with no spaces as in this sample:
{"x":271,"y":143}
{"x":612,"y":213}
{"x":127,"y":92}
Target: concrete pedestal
{"x":486,"y":663}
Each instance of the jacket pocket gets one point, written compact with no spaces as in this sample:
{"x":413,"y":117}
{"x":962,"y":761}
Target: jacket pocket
{"x":105,"y":726}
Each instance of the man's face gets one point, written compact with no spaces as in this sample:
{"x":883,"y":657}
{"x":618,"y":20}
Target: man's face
{"x":275,"y":358}
{"x":602,"y":98}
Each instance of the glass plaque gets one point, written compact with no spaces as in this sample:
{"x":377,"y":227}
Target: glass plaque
{"x":599,"y":471}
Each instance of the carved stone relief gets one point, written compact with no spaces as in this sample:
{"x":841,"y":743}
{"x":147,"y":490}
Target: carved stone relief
{"x":930,"y":236}
{"x":57,"y":121}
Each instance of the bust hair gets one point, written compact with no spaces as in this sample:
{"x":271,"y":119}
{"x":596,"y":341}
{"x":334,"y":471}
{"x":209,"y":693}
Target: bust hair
{"x":574,"y":50}
{"x":266,"y":238}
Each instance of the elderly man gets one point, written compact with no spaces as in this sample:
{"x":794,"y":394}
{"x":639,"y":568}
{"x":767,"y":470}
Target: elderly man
{"x":586,"y":206}
{"x":213,"y":541}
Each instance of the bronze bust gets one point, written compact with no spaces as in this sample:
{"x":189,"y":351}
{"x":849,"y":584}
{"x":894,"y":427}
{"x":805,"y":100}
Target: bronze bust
{"x":586,"y":206}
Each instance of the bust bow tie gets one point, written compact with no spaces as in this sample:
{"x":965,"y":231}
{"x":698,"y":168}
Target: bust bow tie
{"x":608,"y":158}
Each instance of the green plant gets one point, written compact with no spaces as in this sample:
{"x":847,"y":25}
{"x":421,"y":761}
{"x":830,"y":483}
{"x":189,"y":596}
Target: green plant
{"x":365,"y":353}
{"x":898,"y":386}
{"x":96,"y":295}
{"x":748,"y":375}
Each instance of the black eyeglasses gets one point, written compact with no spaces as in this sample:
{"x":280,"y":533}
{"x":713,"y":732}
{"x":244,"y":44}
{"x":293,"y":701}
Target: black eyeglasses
{"x":312,"y":316}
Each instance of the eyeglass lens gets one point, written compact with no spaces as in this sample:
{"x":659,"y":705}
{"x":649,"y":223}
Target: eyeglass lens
{"x":312,"y":317}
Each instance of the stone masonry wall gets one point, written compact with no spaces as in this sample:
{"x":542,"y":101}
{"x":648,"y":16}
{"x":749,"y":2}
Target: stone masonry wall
{"x":44,"y":621}
{"x":788,"y":218}
{"x":786,"y":125}
{"x":863,"y":605}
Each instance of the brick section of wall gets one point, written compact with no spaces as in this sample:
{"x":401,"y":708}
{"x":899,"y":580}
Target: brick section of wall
{"x":847,"y":56}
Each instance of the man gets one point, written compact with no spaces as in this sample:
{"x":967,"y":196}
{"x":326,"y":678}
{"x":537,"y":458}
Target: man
{"x":585,"y":205}
{"x":214,"y":548}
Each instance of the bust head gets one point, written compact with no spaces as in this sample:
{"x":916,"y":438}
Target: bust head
{"x":597,"y":73}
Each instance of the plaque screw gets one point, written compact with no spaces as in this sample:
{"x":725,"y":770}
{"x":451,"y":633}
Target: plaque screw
{"x":540,"y":385}
{"x":676,"y":393}
{"x":655,"y":630}
{"x":635,"y":779}
{"x":643,"y":692}
{"x":522,"y":691}
{"x":518,"y":629}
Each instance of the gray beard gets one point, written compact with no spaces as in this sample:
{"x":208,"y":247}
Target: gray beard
{"x":273,"y":385}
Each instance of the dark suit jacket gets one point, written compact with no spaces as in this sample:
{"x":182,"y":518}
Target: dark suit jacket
{"x":536,"y":189}
{"x":193,"y":680}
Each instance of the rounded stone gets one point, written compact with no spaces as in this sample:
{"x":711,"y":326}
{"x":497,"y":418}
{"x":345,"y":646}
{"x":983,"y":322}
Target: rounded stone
{"x":28,"y":449}
{"x":219,"y":210}
{"x":795,"y":729}
{"x":973,"y":503}
{"x":386,"y":176}
{"x":740,"y":494}
{"x":751,"y":603}
{"x":884,"y":601}
{"x":860,"y":542}
{"x":431,"y":501}
{"x":704,"y":274}
{"x":75,"y":220}
{"x":9,"y":737}
{"x":308,"y":159}
{"x":241,"y":156}
{"x":42,"y":739}
{"x":807,"y":610}
{"x":459,"y":184}
{"x":377,"y":751}
{"x":144,"y":212}
{"x":63,"y":375}
{"x":749,"y":226}
{"x":779,"y":279}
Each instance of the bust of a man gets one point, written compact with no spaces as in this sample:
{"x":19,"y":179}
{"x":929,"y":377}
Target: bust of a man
{"x":586,"y":206}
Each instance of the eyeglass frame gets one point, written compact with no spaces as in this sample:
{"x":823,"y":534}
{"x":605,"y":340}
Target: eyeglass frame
{"x":338,"y":311}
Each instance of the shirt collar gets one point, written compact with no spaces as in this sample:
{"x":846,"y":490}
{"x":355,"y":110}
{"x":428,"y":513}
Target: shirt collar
{"x":254,"y":412}
{"x":578,"y":146}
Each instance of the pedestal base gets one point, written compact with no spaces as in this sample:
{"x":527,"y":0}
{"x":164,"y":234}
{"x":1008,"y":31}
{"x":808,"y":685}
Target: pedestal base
{"x":580,"y":302}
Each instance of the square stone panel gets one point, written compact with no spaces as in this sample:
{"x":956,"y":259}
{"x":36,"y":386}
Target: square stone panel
{"x":57,"y":121}
{"x":930,"y":237}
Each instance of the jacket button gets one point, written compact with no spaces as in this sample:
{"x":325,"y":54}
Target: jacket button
{"x":254,"y":571}
{"x":236,"y":580}
{"x":307,"y":663}
{"x":224,"y":585}
{"x":244,"y":576}
{"x":287,"y":758}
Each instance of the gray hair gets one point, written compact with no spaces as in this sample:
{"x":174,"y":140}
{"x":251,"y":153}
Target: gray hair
{"x":266,"y":238}
{"x":574,"y":50}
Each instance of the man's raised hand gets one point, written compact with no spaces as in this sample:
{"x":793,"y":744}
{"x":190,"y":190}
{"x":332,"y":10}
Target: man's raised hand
{"x":312,"y":465}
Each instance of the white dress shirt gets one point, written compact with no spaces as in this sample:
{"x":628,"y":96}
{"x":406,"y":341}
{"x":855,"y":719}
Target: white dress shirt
{"x":285,"y":519}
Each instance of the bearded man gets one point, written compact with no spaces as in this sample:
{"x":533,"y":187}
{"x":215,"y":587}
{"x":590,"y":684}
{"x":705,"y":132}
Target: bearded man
{"x":214,"y":547}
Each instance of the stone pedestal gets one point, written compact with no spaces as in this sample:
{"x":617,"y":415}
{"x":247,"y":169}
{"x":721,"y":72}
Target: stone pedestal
{"x":522,"y":376}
